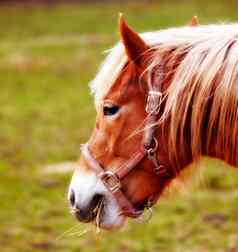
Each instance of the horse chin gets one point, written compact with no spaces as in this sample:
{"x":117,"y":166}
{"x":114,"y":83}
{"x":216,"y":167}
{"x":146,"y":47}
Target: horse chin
{"x":110,"y":217}
{"x":109,"y":225}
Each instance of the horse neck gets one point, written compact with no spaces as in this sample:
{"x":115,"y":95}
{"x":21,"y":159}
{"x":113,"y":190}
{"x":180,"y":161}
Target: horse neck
{"x":220,"y":141}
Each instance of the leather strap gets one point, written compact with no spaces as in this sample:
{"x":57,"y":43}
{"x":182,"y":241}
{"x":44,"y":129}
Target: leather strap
{"x":128,"y":166}
{"x":112,"y":183}
{"x":112,"y":180}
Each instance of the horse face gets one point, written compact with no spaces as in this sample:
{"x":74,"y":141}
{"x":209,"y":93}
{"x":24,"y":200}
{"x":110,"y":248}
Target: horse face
{"x":117,"y":136}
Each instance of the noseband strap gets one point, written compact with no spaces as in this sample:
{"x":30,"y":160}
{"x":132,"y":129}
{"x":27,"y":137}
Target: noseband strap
{"x":148,"y":150}
{"x":112,"y":180}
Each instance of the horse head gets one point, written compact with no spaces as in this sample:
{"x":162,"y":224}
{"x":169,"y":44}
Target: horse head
{"x":163,"y":100}
{"x":118,"y":138}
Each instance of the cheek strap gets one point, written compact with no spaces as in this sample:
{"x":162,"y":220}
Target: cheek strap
{"x":147,"y":150}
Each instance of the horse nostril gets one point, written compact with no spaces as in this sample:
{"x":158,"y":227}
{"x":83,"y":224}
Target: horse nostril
{"x":72,"y":198}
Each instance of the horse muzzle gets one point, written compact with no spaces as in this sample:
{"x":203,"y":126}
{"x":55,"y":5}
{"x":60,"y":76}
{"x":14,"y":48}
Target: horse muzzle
{"x":88,"y":212}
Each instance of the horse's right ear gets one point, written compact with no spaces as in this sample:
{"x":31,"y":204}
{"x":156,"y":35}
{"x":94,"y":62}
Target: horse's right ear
{"x":134,"y":45}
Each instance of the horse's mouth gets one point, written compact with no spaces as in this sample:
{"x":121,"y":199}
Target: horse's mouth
{"x":95,"y":216}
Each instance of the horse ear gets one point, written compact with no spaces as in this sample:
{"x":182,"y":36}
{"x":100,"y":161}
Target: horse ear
{"x":194,"y":21}
{"x":133,"y":43}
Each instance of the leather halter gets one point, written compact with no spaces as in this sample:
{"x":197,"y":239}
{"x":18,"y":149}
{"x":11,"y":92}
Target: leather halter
{"x":112,"y":180}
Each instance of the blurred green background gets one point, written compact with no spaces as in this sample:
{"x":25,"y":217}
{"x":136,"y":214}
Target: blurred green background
{"x":47,"y":57}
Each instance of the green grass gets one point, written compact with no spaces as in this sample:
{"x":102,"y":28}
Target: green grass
{"x":47,"y":58}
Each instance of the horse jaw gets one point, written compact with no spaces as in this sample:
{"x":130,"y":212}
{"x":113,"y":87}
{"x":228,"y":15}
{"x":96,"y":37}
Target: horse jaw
{"x":86,"y":184}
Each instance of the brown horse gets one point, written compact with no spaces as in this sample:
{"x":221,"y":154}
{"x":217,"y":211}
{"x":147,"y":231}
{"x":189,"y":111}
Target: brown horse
{"x":163,"y":100}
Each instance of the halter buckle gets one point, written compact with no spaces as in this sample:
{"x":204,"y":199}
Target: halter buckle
{"x":111,"y":181}
{"x":152,"y":157}
{"x":152,"y":148}
{"x":158,"y":169}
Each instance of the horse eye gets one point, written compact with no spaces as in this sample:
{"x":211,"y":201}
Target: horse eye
{"x":110,"y":110}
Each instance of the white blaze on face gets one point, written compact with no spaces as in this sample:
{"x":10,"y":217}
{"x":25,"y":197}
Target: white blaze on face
{"x":86,"y":185}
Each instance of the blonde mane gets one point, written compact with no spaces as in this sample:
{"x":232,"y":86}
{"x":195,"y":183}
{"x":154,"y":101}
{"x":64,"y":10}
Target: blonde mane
{"x":203,"y":90}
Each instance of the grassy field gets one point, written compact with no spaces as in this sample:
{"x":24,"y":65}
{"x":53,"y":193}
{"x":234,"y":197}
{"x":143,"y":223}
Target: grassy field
{"x":47,"y":58}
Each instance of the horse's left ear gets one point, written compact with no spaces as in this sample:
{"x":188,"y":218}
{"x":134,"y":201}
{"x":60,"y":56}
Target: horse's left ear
{"x":135,"y":46}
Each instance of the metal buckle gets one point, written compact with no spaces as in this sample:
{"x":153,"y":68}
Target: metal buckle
{"x":111,"y":181}
{"x":153,"y":149}
{"x":159,"y":169}
{"x":153,"y":102}
{"x":153,"y":159}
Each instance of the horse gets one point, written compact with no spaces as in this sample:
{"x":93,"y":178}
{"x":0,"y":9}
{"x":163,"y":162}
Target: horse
{"x":164,"y":99}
